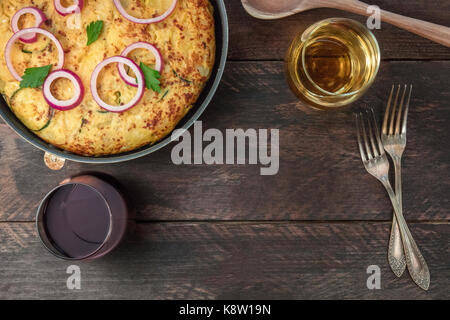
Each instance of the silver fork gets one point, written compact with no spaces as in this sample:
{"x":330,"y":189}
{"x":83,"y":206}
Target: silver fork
{"x":376,"y":163}
{"x":393,"y":137}
{"x":394,"y":141}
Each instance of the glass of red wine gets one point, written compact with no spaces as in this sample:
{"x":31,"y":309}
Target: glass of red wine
{"x":83,"y":218}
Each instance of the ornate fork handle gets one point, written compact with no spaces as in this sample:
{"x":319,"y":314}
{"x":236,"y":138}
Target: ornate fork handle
{"x":396,"y":254}
{"x":417,"y":266}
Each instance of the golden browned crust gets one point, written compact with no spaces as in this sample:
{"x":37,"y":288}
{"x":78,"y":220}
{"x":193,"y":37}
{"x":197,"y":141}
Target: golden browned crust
{"x":186,"y":40}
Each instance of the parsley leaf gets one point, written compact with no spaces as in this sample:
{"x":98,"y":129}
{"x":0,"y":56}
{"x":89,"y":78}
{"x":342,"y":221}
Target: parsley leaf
{"x":93,"y":31}
{"x":34,"y":77}
{"x":151,"y":78}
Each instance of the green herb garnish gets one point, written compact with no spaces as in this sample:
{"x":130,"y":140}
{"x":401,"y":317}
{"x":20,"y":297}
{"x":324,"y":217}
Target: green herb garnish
{"x":93,"y":31}
{"x":102,"y":111}
{"x":34,"y":77}
{"x":118,"y":95}
{"x":164,"y":95}
{"x":14,"y":94}
{"x":181,"y":78}
{"x":51,"y":113}
{"x":151,"y":78}
{"x":38,"y":47}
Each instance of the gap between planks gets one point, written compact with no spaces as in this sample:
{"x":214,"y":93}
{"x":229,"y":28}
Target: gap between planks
{"x":255,"y":222}
{"x":382,"y":60}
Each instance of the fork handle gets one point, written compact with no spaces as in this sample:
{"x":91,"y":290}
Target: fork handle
{"x":417,"y":267}
{"x":396,"y":255}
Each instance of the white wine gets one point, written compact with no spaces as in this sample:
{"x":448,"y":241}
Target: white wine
{"x":332,"y":63}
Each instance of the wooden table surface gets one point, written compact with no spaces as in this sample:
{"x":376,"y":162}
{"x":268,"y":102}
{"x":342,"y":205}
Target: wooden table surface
{"x":226,"y":232}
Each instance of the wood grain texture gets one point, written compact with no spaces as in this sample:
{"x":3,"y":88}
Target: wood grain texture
{"x":225,"y":232}
{"x":321,"y":175}
{"x":253,"y":39}
{"x":227,"y":261}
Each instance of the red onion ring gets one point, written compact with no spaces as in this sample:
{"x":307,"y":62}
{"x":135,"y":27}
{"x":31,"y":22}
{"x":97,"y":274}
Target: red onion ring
{"x":23,"y":32}
{"x":63,"y":105}
{"x":159,"y":65}
{"x":75,"y":8}
{"x":160,"y":18}
{"x":39,"y":17}
{"x":140,"y":79}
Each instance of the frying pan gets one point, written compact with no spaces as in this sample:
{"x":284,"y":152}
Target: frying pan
{"x":221,"y":26}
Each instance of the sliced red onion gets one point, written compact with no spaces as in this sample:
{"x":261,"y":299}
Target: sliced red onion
{"x":63,"y":105}
{"x":159,"y":65}
{"x":140,"y":80}
{"x":20,"y":34}
{"x":160,"y":18}
{"x":39,"y":17}
{"x":64,"y":11}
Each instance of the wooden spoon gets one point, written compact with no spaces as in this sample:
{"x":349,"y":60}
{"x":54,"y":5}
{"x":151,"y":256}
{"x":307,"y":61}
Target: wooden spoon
{"x":276,"y":9}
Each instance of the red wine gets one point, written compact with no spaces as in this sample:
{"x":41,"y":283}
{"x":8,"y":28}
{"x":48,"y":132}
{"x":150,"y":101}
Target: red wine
{"x":83,"y":218}
{"x":77,"y":220}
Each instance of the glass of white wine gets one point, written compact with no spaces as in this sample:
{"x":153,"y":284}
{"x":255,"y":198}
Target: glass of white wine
{"x":332,"y":63}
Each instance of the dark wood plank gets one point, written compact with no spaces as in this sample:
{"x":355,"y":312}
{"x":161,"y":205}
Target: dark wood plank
{"x":227,"y":261}
{"x":321,"y":175}
{"x":252,"y":39}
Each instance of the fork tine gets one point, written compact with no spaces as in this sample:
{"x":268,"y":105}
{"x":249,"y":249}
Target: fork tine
{"x":399,"y":115}
{"x":386,"y":113}
{"x":371,"y":135}
{"x":366,"y":144}
{"x":394,"y":107}
{"x":405,"y":116}
{"x":377,"y":133}
{"x":358,"y":135}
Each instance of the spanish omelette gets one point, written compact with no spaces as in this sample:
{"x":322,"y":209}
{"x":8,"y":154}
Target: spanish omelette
{"x":186,"y":40}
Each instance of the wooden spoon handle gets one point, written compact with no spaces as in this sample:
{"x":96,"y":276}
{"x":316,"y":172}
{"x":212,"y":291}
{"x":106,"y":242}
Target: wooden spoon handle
{"x":434,"y":32}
